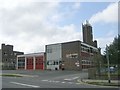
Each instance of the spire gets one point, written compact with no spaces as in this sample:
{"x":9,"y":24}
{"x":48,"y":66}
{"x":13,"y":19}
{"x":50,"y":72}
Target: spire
{"x":82,"y":24}
{"x":87,"y":23}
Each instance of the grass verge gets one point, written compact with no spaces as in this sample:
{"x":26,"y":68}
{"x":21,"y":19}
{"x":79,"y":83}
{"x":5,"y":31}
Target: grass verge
{"x":104,"y":83}
{"x":11,"y":75}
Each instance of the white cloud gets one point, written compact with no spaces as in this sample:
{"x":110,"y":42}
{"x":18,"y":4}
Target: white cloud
{"x":108,"y":15}
{"x":103,"y":41}
{"x":29,"y":27}
{"x":12,"y":4}
{"x":76,"y":5}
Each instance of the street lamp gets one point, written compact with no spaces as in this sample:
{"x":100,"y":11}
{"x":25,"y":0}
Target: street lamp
{"x":107,"y":55}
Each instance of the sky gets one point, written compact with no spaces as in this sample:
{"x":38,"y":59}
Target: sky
{"x":29,"y":25}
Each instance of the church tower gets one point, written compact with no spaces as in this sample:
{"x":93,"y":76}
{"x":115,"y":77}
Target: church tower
{"x":88,"y":34}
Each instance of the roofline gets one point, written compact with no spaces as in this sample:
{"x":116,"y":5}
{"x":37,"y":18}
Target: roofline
{"x":74,"y":41}
{"x":31,"y":54}
{"x":89,"y":45}
{"x":63,"y":42}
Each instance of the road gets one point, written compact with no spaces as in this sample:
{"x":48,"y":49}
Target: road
{"x":46,"y":79}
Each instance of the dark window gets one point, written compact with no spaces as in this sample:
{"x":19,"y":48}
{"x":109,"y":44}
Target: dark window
{"x":47,"y":62}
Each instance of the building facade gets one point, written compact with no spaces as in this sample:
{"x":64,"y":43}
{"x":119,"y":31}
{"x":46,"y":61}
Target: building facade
{"x":33,"y":61}
{"x":8,"y":56}
{"x":53,"y":56}
{"x":88,"y":55}
{"x":74,"y":55}
{"x":71,"y":55}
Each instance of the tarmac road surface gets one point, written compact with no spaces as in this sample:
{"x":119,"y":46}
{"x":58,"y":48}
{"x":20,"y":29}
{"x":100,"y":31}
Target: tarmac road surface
{"x":46,"y":79}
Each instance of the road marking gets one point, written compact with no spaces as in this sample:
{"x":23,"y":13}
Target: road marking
{"x":70,"y":82}
{"x":71,"y":78}
{"x":25,"y":84}
{"x":63,"y":82}
{"x":67,"y":79}
{"x":56,"y":81}
{"x":44,"y":80}
{"x":77,"y":83}
{"x":52,"y":81}
{"x":75,"y":78}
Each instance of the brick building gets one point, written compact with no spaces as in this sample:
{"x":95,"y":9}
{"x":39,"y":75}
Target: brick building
{"x":8,"y":56}
{"x":74,"y":55}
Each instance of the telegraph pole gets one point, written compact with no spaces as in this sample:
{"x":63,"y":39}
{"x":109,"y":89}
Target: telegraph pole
{"x":107,"y":55}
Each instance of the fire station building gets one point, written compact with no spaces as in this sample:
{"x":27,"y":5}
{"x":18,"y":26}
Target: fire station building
{"x":34,"y":61}
{"x":73,"y":55}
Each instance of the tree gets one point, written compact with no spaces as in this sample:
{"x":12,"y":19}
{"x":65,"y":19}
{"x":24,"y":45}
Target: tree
{"x":114,"y":51}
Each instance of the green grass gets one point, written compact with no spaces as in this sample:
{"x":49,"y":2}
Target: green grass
{"x":10,"y":75}
{"x":104,"y":83}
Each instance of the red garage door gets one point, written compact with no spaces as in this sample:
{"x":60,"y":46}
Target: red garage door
{"x":30,"y":63}
{"x":39,"y":62}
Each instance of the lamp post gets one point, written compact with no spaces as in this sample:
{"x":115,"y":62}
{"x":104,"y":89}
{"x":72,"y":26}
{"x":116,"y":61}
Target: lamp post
{"x":107,"y":55}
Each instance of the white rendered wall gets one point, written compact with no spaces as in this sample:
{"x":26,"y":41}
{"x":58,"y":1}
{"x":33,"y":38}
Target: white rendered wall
{"x":54,"y":55}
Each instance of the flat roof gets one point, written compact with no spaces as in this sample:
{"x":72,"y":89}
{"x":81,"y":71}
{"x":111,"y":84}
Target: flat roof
{"x":75,"y":41}
{"x":64,"y":42}
{"x":31,"y":54}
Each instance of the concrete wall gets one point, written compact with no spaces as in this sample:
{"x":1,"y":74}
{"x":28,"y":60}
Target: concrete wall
{"x":53,"y":56}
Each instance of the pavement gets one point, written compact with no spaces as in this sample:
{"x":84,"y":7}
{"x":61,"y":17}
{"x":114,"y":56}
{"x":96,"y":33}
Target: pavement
{"x":112,"y":81}
{"x":88,"y":81}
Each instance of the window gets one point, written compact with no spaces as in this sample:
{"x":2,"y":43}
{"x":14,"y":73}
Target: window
{"x":5,"y":53}
{"x":75,"y":55}
{"x":21,"y":63}
{"x":49,"y":50}
{"x":88,"y":50}
{"x":56,"y":62}
{"x":15,"y":54}
{"x":47,"y":62}
{"x":83,"y":62}
{"x":91,"y":50}
{"x":51,"y":62}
